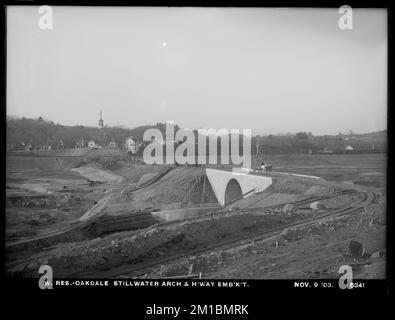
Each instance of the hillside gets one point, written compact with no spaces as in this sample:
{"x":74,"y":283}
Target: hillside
{"x":40,"y":132}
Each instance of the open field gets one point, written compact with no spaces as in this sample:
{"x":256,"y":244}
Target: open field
{"x":362,"y":169}
{"x":100,"y":214}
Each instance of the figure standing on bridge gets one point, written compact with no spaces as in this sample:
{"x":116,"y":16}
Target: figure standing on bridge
{"x":265,"y":167}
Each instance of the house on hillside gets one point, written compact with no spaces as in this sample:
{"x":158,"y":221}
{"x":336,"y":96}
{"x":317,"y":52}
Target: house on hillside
{"x":45,"y":147}
{"x":79,"y":144}
{"x":18,"y":147}
{"x":112,"y":144}
{"x":349,"y":148}
{"x":130,"y":145}
{"x":327,"y":150}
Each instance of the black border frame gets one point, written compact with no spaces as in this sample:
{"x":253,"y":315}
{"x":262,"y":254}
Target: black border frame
{"x":278,"y":289}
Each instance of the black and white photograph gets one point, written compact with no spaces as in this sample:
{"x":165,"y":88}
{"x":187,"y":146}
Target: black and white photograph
{"x":196,"y":143}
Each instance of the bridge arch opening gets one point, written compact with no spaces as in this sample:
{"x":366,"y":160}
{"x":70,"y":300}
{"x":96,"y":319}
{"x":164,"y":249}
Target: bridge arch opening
{"x":232,"y":191}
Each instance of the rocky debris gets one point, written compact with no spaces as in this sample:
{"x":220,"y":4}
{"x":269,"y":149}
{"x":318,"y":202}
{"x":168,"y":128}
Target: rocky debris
{"x":317,"y":206}
{"x":378,"y":254}
{"x":37,"y":203}
{"x":288,"y":208}
{"x":377,"y":221}
{"x":291,"y":235}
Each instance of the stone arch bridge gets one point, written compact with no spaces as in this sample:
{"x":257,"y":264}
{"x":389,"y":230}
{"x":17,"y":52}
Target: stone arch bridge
{"x":229,"y":185}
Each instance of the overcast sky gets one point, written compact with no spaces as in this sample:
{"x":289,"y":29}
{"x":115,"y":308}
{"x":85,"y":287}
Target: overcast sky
{"x":269,"y":70}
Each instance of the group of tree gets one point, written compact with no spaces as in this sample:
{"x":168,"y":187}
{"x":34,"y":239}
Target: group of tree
{"x":306,"y":142}
{"x":39,"y":132}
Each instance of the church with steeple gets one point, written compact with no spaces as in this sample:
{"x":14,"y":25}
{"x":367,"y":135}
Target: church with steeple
{"x":101,"y":125}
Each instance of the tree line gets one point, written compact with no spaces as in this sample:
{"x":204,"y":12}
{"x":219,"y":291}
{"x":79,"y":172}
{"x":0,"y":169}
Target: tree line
{"x":40,"y":132}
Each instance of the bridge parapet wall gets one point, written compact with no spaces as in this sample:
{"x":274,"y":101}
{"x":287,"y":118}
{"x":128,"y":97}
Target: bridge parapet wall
{"x":219,"y":180}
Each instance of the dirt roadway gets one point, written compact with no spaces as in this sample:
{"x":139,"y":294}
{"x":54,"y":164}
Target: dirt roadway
{"x":309,"y":253}
{"x":313,"y":252}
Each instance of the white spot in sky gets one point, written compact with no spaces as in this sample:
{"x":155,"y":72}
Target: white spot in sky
{"x":164,"y":44}
{"x":163,"y":105}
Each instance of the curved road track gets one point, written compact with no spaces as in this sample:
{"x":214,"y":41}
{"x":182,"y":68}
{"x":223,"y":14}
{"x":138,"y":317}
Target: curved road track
{"x":139,"y":269}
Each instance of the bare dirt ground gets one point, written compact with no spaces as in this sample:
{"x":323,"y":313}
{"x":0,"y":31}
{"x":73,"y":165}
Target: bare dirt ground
{"x":313,"y":252}
{"x":38,"y":202}
{"x":361,"y":169}
{"x":220,"y":244}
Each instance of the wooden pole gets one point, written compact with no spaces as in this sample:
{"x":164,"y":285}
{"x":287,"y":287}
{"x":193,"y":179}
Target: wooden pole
{"x":204,"y":187}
